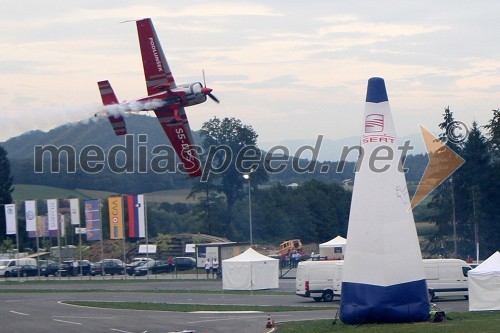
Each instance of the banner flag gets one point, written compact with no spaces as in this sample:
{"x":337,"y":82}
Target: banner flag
{"x":115,"y":217}
{"x":74,"y":207}
{"x":136,"y":217}
{"x":44,"y":224}
{"x":30,"y":213}
{"x":62,"y":225}
{"x":52,"y":208}
{"x":41,"y":226}
{"x":10,"y":219}
{"x":93,"y":220}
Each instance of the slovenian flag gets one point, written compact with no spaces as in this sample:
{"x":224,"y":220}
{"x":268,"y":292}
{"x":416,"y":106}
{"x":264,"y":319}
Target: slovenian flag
{"x":136,"y":216}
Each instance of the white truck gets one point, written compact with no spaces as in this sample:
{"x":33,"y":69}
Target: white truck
{"x":322,"y":280}
{"x":7,"y":265}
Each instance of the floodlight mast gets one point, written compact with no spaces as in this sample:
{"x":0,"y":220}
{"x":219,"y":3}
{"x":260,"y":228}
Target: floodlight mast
{"x":247,"y":177}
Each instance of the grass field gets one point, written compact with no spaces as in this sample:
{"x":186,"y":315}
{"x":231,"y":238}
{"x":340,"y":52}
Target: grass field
{"x":192,"y":307}
{"x":426,"y":228}
{"x":39,"y":192}
{"x":456,"y":322}
{"x":463,"y":322}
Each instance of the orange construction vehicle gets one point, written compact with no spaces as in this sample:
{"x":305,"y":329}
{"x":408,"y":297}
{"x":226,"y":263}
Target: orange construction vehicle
{"x":290,"y":245}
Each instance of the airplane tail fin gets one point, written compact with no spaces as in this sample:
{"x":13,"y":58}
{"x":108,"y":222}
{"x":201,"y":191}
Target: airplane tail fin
{"x":109,"y":98}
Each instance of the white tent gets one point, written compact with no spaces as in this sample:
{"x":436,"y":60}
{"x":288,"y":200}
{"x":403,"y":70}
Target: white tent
{"x":484,"y":285}
{"x":250,"y":271}
{"x":333,"y":249}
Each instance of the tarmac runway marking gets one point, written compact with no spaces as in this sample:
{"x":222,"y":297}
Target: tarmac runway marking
{"x":19,"y":313}
{"x":79,"y":317}
{"x":67,"y":322}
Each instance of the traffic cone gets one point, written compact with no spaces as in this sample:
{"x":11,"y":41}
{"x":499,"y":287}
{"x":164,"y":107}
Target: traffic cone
{"x":270,"y":324}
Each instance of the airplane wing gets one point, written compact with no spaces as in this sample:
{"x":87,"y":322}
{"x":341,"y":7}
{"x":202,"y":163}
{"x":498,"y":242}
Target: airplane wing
{"x":156,"y":71}
{"x":179,"y":134}
{"x":109,"y":98}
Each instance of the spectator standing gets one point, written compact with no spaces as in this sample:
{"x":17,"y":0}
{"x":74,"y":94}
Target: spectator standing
{"x":208,"y":266}
{"x":75,"y":265}
{"x":170,"y":263}
{"x":215,"y":268}
{"x":283,"y":260}
{"x":296,"y":259}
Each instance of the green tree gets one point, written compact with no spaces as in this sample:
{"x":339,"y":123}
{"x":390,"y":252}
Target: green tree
{"x":490,"y":225}
{"x":444,"y":200}
{"x":226,"y":143}
{"x":6,"y":187}
{"x":471,"y":197}
{"x":163,"y":241}
{"x":7,"y":245}
{"x":493,"y":128}
{"x":314,"y":212}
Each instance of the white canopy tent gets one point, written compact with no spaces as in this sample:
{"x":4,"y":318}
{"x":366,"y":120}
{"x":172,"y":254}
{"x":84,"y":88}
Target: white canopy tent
{"x":484,"y":285}
{"x":333,"y":249}
{"x":250,"y":271}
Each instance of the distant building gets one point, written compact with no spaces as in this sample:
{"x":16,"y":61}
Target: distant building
{"x":220,"y":251}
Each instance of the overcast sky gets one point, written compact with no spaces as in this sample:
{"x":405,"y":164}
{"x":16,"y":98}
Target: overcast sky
{"x":291,"y":69}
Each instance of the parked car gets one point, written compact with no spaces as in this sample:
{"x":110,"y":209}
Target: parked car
{"x":142,"y":259}
{"x":117,"y":261}
{"x":154,"y":267}
{"x":110,"y":267}
{"x":135,"y":263}
{"x":130,"y":268}
{"x":7,"y":265}
{"x":50,"y":268}
{"x":25,"y":270}
{"x":184,"y":263}
{"x":67,"y":268}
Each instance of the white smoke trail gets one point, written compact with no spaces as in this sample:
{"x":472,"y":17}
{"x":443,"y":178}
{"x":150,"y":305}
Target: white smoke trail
{"x":117,"y":110}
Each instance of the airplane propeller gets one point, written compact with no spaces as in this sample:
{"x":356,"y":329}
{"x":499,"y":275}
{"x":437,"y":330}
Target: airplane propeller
{"x":208,"y":91}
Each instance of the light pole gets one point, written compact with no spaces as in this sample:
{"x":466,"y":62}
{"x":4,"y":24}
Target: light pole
{"x":247,"y":177}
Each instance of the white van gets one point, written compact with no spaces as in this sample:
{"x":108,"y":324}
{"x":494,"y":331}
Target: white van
{"x":446,"y":277}
{"x":320,"y":280}
{"x":7,"y":265}
{"x":323,"y":279}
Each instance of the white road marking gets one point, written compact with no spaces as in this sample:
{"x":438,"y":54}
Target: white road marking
{"x":121,"y":331}
{"x":67,"y":322}
{"x":19,"y":313}
{"x":78,"y":317}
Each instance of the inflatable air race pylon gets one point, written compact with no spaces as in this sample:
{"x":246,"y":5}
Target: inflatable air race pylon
{"x":383,"y":277}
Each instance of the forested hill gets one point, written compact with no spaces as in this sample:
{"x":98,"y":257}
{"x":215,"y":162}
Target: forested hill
{"x":98,"y":132}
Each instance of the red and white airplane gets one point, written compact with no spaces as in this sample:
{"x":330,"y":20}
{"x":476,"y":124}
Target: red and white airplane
{"x":165,"y":98}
